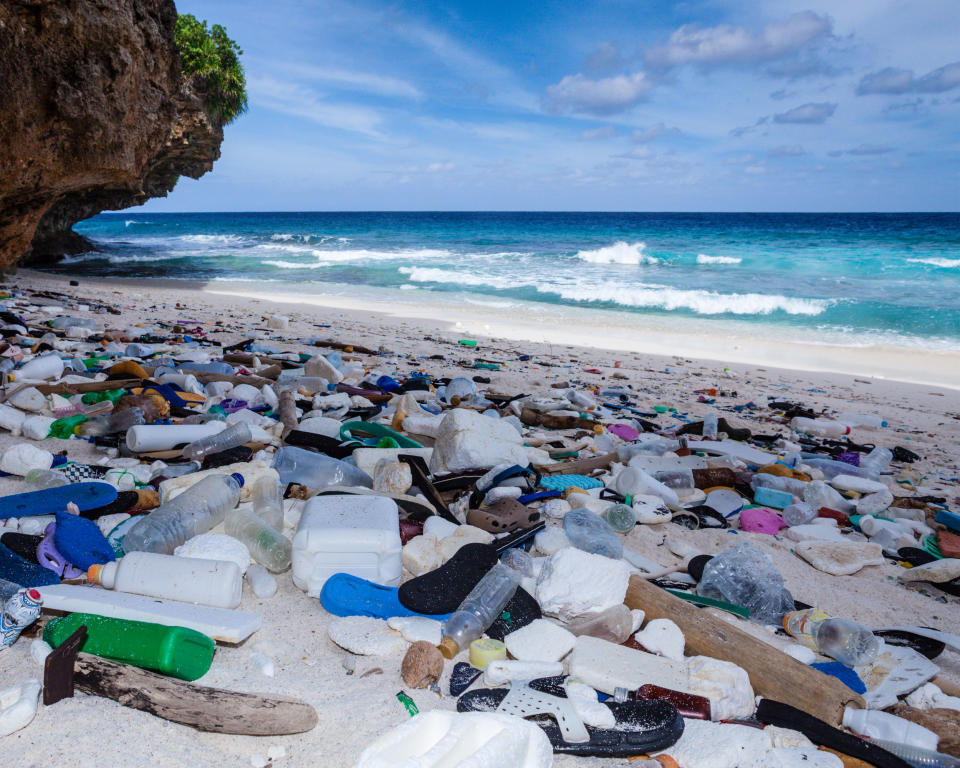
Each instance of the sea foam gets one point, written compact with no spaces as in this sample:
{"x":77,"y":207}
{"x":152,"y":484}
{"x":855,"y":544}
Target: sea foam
{"x":705,"y":259}
{"x":936,"y":262}
{"x":620,"y":252}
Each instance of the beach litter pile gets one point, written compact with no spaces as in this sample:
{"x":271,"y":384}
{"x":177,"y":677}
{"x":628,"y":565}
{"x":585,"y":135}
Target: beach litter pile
{"x":479,"y":544}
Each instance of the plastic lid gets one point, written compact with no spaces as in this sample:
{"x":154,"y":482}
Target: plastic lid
{"x":93,"y":573}
{"x":238,"y":477}
{"x":449,"y":648}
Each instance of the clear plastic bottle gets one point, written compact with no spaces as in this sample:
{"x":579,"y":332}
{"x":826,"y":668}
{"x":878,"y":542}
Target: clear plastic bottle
{"x":38,"y":479}
{"x":592,"y":533}
{"x":267,"y":546}
{"x":614,"y":624}
{"x":73,"y":322}
{"x":800,"y":513}
{"x":231,"y":437}
{"x":818,"y":494}
{"x":778,"y":483}
{"x":138,"y":350}
{"x":841,"y":639}
{"x":7,"y":364}
{"x":877,"y":460}
{"x":861,"y":420}
{"x":195,"y":511}
{"x":460,"y":388}
{"x":213,"y":367}
{"x":267,"y":495}
{"x":118,"y":421}
{"x":480,"y":608}
{"x":677,"y":479}
{"x":620,"y":517}
{"x":918,"y":757}
{"x":316,"y":470}
{"x":710,"y":426}
{"x":831,"y":467}
{"x":819,"y":427}
{"x":876,"y":724}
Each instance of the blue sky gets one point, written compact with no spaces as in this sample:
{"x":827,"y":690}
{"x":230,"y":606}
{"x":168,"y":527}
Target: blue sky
{"x":712,"y":105}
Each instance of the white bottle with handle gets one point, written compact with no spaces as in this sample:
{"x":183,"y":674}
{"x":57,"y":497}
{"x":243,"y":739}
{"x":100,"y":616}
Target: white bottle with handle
{"x":882,"y":725}
{"x":217,"y":583}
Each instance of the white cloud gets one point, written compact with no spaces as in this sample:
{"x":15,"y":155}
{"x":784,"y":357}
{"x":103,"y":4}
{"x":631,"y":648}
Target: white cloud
{"x":578,"y":93}
{"x":363,"y":82}
{"x":604,"y":132}
{"x":863,"y":150}
{"x":899,"y":81}
{"x":654,"y":132}
{"x":299,"y":101}
{"x":812,"y":113}
{"x":726,"y":44}
{"x":787,"y":150}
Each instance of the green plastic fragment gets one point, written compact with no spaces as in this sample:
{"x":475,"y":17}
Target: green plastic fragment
{"x":467,"y":342}
{"x":408,"y":704}
{"x":692,"y":597}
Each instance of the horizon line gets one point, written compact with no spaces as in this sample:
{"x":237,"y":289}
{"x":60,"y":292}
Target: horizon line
{"x":517,"y":210}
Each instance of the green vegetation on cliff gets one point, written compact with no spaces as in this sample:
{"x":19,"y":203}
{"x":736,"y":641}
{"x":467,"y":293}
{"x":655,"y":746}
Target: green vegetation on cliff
{"x":214,"y":60}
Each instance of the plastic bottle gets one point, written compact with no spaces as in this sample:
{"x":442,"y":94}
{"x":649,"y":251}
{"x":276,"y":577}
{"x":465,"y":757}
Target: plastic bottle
{"x":176,"y":470}
{"x":115,"y":421}
{"x":861,"y":420}
{"x":176,"y":651}
{"x":7,"y":364}
{"x":841,"y":639}
{"x":886,"y":533}
{"x":920,"y":758}
{"x":677,"y":479}
{"x":42,"y":367}
{"x":818,"y":494}
{"x":877,"y":724}
{"x":262,"y":583}
{"x":798,"y":514}
{"x":143,"y":438}
{"x":710,"y":426}
{"x":266,"y":545}
{"x":778,"y":483}
{"x":620,"y":517}
{"x":195,"y":511}
{"x":214,"y":367}
{"x":73,"y":322}
{"x":614,"y":624}
{"x":138,"y":350}
{"x":217,"y":583}
{"x":267,"y":495}
{"x":819,"y":427}
{"x":877,"y":460}
{"x":38,"y":479}
{"x":460,"y":388}
{"x":19,"y":608}
{"x":68,"y":426}
{"x":592,"y":533}
{"x":479,"y":609}
{"x":231,"y":437}
{"x":831,"y":468}
{"x":316,"y":470}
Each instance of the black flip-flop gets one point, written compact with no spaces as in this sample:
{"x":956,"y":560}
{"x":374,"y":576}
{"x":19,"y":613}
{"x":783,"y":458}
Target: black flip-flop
{"x":442,"y":590}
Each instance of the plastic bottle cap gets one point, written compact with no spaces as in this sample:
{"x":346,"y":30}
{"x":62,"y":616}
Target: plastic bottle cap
{"x":93,"y":573}
{"x":484,"y":650}
{"x":449,"y":648}
{"x":238,"y":477}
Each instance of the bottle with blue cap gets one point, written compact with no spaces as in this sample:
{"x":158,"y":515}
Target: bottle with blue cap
{"x":198,"y":509}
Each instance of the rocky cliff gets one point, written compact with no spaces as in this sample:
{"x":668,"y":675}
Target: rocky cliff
{"x":94,"y":116}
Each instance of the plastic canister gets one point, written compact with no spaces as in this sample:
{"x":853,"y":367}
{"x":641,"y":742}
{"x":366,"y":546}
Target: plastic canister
{"x":355,"y":534}
{"x":144,"y":438}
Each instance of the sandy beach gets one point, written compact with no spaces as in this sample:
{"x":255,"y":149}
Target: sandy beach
{"x":914,"y":391}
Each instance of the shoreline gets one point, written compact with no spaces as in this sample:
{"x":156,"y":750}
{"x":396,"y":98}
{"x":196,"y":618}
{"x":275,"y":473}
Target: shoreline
{"x":595,"y":329}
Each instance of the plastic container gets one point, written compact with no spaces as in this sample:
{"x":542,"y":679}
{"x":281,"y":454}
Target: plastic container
{"x":798,"y":514}
{"x":620,"y":517}
{"x":831,"y":468}
{"x":267,"y":495}
{"x":316,"y":470}
{"x":117,"y":421}
{"x":771,"y":497}
{"x":229,"y":438}
{"x":614,"y":624}
{"x":145,"y":438}
{"x":41,"y":368}
{"x":354,"y":534}
{"x":73,"y":322}
{"x":479,"y":609}
{"x":846,"y":641}
{"x":818,"y":494}
{"x":920,"y":758}
{"x":198,"y":509}
{"x":876,"y":724}
{"x":217,"y":583}
{"x":38,"y":479}
{"x":819,"y":427}
{"x":176,"y":651}
{"x":266,"y":545}
{"x":861,"y":420}
{"x":710,"y":423}
{"x":877,"y":460}
{"x":214,"y":367}
{"x":592,"y":533}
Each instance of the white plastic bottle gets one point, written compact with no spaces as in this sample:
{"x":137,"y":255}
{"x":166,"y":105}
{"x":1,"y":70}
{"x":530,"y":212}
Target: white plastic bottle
{"x":144,"y":438}
{"x":819,"y":427}
{"x":41,"y":368}
{"x":877,"y":460}
{"x":882,"y":725}
{"x":710,"y":422}
{"x":217,"y":583}
{"x":861,"y":420}
{"x":195,"y":511}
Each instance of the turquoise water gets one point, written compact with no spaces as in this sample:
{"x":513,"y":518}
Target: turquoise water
{"x":856,"y":278}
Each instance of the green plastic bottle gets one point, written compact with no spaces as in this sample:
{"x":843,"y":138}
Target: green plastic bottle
{"x":175,"y":651}
{"x":112,"y":395}
{"x":64,"y":428}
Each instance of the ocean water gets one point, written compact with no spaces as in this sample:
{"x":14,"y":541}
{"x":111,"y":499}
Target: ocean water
{"x":854,"y":279}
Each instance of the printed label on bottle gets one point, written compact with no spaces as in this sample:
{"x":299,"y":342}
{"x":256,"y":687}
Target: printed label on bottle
{"x":800,"y":625}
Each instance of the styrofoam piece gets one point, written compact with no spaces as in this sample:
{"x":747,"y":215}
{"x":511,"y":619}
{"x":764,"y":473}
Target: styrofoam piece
{"x":355,"y":534}
{"x":732,"y":448}
{"x":21,"y":458}
{"x":367,"y":459}
{"x":438,"y":527}
{"x":585,"y":703}
{"x":415,"y":628}
{"x":663,"y":637}
{"x":668,"y":462}
{"x":365,"y":636}
{"x":219,"y":623}
{"x":725,"y":501}
{"x":927,"y":696}
{"x":18,"y":705}
{"x":895,"y":672}
{"x":647,"y":565}
{"x":573,"y":582}
{"x":938,"y":571}
{"x":540,"y":640}
{"x":216,"y":546}
{"x":839,"y":558}
{"x":467,"y":439}
{"x":420,"y":555}
{"x":607,"y":666}
{"x":725,"y":684}
{"x":650,"y":510}
{"x":858,"y":484}
{"x":144,"y":438}
{"x":442,"y":739}
{"x":465,"y":534}
{"x":550,"y":540}
{"x":816,"y":532}
{"x":501,"y":672}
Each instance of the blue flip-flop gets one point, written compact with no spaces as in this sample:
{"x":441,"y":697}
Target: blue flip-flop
{"x":347,"y":595}
{"x":49,"y":501}
{"x":14,"y":568}
{"x":562,"y":482}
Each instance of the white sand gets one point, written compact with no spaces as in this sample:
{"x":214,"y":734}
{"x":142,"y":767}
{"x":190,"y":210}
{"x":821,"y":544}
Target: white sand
{"x":353,"y":709}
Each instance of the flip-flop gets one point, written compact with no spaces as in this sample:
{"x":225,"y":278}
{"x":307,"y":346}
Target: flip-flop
{"x":522,"y":609}
{"x":80,"y":541}
{"x":503,"y":516}
{"x":641,"y":726}
{"x":49,"y":501}
{"x":377,"y":433}
{"x":14,"y":568}
{"x":346,"y":595}
{"x":22,"y":544}
{"x":442,"y":590}
{"x":125,"y":500}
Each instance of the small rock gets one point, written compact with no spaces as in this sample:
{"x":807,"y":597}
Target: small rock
{"x":422,"y":666}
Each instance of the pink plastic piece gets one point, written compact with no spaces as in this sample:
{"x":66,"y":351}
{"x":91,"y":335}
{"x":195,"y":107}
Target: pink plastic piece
{"x":761,"y":520}
{"x":624,"y":432}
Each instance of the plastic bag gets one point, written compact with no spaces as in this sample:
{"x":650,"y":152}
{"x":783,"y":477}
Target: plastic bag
{"x":745,"y":576}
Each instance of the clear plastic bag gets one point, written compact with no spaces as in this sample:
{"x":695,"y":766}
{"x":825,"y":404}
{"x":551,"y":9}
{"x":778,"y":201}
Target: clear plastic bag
{"x":745,"y":576}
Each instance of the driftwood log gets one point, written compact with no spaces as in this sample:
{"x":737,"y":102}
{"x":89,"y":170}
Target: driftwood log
{"x":773,"y":673}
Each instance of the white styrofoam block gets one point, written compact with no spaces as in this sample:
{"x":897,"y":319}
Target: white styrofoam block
{"x":724,"y":683}
{"x":21,"y":458}
{"x":216,"y":546}
{"x":365,"y":636}
{"x":607,"y":666}
{"x":663,"y":637}
{"x":420,"y":555}
{"x":467,"y":439}
{"x":438,"y":527}
{"x":540,"y":640}
{"x":501,"y":672}
{"x":550,"y":540}
{"x":465,"y":534}
{"x":584,"y":700}
{"x":573,"y":582}
{"x":414,"y":628}
{"x":18,"y":705}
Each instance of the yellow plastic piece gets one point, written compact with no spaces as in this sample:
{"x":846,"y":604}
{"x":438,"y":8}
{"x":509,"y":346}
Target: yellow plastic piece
{"x":484,"y":650}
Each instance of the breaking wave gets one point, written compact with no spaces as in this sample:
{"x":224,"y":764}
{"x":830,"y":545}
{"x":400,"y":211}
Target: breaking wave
{"x":620,"y":252}
{"x":704,"y":259}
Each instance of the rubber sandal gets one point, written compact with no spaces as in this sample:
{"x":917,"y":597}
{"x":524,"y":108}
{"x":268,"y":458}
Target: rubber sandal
{"x":22,"y":544}
{"x":49,"y":501}
{"x":503,"y":516}
{"x":442,"y":590}
{"x":346,"y":595}
{"x":641,"y":726}
{"x":80,"y":541}
{"x":14,"y":568}
{"x":125,"y":500}
{"x":522,"y":609}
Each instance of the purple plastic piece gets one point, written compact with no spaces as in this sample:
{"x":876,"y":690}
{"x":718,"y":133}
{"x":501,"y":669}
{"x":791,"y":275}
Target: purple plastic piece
{"x":624,"y":432}
{"x":231,"y":406}
{"x":850,"y":457}
{"x":50,"y":558}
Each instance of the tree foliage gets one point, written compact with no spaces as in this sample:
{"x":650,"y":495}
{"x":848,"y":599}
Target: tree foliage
{"x":213,"y":60}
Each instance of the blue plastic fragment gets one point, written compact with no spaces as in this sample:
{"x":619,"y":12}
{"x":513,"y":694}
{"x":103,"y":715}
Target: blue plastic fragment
{"x":843,"y":673}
